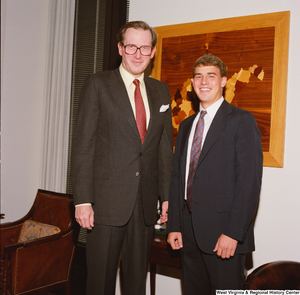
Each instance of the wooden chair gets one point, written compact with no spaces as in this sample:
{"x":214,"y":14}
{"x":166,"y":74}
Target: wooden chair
{"x":279,"y":275}
{"x":44,"y":263}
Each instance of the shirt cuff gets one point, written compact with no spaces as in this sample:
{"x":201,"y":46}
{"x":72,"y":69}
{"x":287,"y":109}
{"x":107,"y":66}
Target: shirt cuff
{"x":84,"y":204}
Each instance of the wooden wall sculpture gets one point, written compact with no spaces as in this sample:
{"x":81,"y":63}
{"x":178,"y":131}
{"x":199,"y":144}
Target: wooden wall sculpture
{"x":255,"y":51}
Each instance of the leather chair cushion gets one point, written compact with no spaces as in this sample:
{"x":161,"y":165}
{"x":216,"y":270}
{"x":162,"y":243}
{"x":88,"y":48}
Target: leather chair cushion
{"x":33,"y":230}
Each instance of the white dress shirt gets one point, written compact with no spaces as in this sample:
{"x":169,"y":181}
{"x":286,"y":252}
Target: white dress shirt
{"x":130,"y":87}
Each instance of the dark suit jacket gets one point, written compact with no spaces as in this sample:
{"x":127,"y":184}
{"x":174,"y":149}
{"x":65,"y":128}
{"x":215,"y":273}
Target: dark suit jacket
{"x":227,"y":181}
{"x":109,"y":162}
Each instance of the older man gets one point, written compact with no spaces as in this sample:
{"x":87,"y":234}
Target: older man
{"x":121,"y":162}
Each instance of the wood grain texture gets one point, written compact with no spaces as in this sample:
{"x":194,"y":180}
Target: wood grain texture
{"x":242,"y":42}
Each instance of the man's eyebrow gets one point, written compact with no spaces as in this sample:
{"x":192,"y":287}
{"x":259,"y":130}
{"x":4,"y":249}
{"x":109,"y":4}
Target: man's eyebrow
{"x":209,"y":73}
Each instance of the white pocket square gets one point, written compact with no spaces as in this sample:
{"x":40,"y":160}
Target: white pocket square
{"x":163,"y":108}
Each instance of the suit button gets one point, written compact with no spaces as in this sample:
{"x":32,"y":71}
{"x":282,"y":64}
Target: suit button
{"x":137,"y":174}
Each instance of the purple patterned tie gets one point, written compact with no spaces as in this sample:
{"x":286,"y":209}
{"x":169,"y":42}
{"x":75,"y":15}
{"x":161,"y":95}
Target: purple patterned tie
{"x":139,"y":110}
{"x":195,"y":153}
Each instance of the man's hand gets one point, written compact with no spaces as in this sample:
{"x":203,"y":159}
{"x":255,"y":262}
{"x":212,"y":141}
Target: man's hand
{"x":175,"y":240}
{"x":225,"y":246}
{"x":84,"y":215}
{"x":164,"y":212}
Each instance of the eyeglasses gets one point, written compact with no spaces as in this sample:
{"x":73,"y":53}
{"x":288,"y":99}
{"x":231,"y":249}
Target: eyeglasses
{"x":132,"y":49}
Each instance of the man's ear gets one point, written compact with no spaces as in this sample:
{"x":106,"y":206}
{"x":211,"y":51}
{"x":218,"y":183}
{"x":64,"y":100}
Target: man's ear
{"x":223,"y":81}
{"x":120,"y":48}
{"x":153,"y":51}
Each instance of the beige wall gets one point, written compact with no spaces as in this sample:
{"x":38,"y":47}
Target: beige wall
{"x":24,"y":27}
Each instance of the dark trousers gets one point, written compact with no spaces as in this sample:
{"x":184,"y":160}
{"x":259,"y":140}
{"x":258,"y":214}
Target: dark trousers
{"x":205,"y":273}
{"x":104,"y":245}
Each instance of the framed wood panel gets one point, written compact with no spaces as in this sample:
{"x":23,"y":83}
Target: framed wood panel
{"x":255,"y":51}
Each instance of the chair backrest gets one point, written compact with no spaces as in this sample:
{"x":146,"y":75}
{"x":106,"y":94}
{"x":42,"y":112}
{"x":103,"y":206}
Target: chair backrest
{"x":53,"y":208}
{"x":279,"y":275}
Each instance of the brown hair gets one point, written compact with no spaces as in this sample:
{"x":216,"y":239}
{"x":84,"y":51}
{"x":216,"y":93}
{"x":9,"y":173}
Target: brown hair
{"x":136,"y":25}
{"x":211,"y":60}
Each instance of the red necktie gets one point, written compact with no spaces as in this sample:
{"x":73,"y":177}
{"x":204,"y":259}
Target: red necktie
{"x":195,"y":153}
{"x":140,"y":112}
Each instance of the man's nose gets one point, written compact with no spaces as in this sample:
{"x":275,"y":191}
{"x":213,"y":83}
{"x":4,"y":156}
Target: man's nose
{"x":138,"y":53}
{"x":204,"y":80}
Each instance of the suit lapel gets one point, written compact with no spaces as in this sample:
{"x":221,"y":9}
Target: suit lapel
{"x":120,"y":95}
{"x":154,"y":105}
{"x":217,"y":126}
{"x":186,"y":130}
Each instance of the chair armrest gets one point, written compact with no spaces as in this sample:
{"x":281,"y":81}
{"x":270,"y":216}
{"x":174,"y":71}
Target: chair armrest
{"x":10,"y":235}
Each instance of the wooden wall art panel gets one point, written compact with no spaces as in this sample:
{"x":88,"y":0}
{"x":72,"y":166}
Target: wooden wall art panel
{"x":255,"y":51}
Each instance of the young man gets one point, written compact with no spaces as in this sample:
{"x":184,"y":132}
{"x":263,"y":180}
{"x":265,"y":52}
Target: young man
{"x":215,"y":186}
{"x":121,"y":160}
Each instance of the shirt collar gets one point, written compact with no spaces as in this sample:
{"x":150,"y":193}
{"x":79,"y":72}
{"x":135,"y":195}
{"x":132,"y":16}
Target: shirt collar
{"x":212,"y":110}
{"x":128,"y":78}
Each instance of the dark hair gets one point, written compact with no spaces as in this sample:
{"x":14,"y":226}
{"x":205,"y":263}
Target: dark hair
{"x":136,"y":25}
{"x":211,"y":60}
